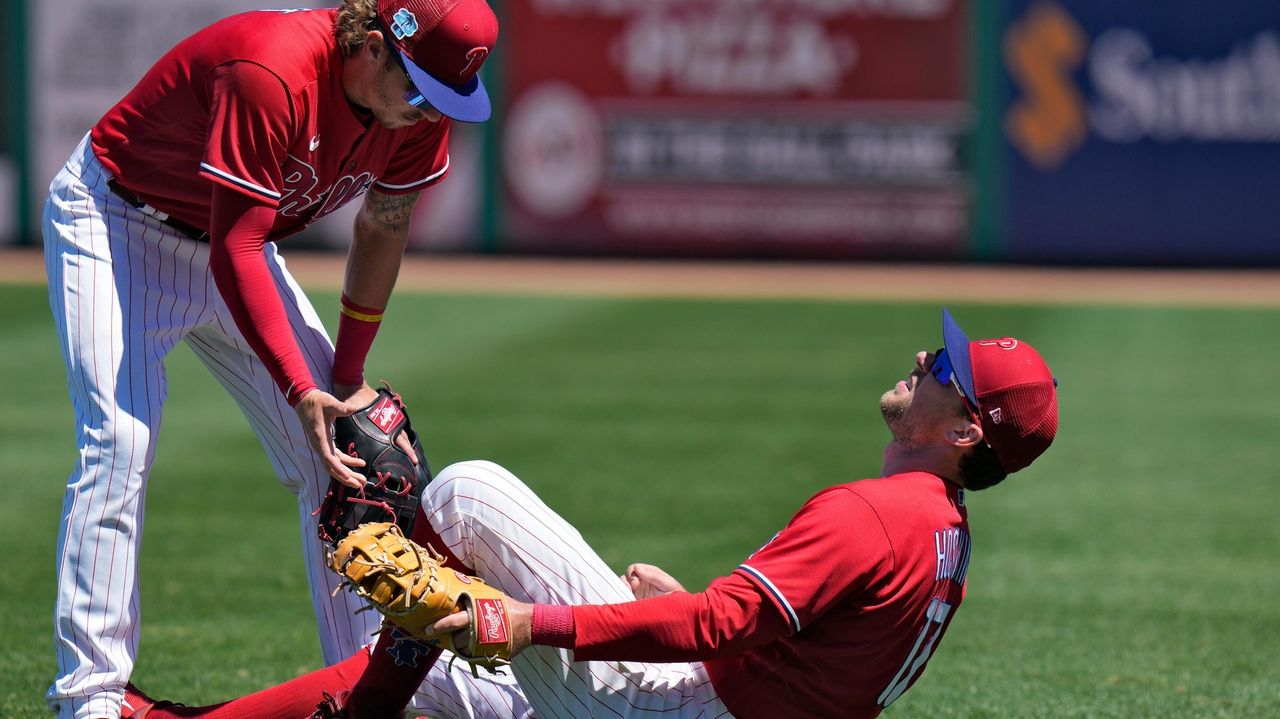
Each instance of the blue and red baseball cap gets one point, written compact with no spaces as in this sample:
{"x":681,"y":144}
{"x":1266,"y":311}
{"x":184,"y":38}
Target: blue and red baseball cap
{"x":442,"y":44}
{"x":1012,"y":389}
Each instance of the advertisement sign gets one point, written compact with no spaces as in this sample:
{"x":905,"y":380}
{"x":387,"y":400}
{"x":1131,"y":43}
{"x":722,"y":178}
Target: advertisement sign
{"x":1144,"y":133}
{"x":723,"y":127}
{"x":87,"y":54}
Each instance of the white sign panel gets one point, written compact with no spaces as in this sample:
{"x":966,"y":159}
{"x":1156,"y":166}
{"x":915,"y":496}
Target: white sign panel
{"x":87,"y":54}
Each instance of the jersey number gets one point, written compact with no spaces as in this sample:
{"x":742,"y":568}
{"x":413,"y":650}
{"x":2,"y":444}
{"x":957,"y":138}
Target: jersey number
{"x":936,"y":616}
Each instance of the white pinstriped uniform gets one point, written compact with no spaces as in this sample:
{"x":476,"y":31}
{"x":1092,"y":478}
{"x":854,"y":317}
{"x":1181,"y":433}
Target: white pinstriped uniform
{"x":124,"y":290}
{"x":495,"y":524}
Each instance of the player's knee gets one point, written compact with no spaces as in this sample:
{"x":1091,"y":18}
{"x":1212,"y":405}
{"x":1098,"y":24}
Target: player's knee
{"x":478,"y":470}
{"x":118,"y":446}
{"x":472,"y":478}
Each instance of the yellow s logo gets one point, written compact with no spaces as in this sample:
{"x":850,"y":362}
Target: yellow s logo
{"x":1041,"y":51}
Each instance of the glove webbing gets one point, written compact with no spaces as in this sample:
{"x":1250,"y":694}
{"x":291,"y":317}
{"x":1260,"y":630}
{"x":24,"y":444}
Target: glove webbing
{"x":387,"y":565}
{"x":405,"y":488}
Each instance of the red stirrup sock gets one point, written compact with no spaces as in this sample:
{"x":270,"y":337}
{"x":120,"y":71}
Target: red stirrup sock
{"x":399,"y":663}
{"x":295,"y":699}
{"x":396,"y":669}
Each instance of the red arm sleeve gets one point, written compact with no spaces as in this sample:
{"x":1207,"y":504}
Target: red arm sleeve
{"x":730,"y":616}
{"x":833,"y":546}
{"x":238,"y":231}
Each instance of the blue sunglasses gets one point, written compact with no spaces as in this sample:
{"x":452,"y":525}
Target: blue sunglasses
{"x":945,"y":374}
{"x":415,"y":98}
{"x":942,"y":369}
{"x":412,"y":96}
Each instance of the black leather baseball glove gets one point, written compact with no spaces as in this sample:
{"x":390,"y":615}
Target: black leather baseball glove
{"x":393,"y":483}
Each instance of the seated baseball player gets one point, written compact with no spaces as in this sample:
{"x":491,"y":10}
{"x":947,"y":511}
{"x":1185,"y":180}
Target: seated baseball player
{"x":836,"y":615}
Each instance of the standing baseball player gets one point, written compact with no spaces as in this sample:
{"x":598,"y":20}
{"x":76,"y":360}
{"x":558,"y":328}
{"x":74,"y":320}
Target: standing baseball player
{"x":835,"y":616}
{"x":161,"y":228}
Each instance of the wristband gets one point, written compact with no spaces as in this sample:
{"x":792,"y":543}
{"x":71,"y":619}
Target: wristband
{"x":552,"y":625}
{"x":357,"y":314}
{"x":361,"y":312}
{"x":357,"y":326}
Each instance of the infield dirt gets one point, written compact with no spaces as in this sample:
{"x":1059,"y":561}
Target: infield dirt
{"x":809,"y":280}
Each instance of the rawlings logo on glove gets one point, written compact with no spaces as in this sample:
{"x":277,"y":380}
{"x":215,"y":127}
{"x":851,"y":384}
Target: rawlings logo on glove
{"x":386,"y":414}
{"x":491,"y":621}
{"x":408,"y":585}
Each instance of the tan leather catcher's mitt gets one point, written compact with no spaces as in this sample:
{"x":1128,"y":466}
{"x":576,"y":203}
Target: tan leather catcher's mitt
{"x":409,"y":585}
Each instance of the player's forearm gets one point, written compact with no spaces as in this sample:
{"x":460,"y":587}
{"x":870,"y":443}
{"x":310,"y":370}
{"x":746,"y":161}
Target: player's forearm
{"x":381,"y":233}
{"x":727,"y":618}
{"x":373,"y":262}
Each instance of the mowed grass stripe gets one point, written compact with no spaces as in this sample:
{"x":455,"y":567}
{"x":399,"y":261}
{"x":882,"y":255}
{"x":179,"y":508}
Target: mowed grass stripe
{"x":1129,"y":573}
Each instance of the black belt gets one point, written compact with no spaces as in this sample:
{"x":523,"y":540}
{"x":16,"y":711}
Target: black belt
{"x":163,"y":218}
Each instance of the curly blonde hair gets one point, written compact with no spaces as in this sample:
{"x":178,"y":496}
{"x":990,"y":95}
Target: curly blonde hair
{"x":355,"y":19}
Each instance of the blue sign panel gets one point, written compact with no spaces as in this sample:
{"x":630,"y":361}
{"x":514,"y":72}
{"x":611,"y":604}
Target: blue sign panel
{"x":1143,"y":132}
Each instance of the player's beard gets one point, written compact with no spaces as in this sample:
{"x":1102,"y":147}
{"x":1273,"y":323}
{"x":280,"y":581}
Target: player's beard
{"x":389,"y":96}
{"x":905,"y":427}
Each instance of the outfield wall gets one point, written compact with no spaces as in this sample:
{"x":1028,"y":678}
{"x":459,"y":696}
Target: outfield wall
{"x":1142,"y":131}
{"x":1032,"y":131}
{"x":793,"y":128}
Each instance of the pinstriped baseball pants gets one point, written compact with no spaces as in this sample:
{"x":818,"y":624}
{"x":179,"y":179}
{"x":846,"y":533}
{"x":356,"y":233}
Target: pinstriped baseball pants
{"x":495,"y":524}
{"x":124,"y":290}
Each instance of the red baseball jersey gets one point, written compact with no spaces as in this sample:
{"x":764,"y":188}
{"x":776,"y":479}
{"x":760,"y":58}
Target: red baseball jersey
{"x":255,"y":103}
{"x":868,"y":575}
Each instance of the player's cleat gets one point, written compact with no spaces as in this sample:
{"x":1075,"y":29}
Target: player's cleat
{"x":332,"y":707}
{"x":137,"y":705}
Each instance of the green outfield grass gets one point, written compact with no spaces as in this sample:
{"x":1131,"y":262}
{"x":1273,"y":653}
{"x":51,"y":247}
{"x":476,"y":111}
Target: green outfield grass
{"x":1131,"y":572}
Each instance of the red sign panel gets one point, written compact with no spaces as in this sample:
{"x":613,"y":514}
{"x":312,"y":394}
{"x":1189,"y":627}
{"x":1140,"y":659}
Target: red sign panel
{"x":731,"y":127}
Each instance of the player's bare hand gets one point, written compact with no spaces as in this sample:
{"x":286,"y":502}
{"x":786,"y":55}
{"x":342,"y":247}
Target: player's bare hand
{"x":647,"y":581}
{"x":361,"y":395}
{"x":458,"y":624}
{"x":317,"y":411}
{"x":357,"y":394}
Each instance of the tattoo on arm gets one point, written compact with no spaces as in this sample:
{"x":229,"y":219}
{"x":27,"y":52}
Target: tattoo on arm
{"x":389,"y":213}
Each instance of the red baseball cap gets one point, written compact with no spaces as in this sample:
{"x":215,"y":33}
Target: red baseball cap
{"x":1016,"y":395}
{"x":442,"y":44}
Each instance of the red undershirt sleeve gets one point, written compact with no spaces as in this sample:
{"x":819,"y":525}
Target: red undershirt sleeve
{"x":238,"y":231}
{"x":730,"y":616}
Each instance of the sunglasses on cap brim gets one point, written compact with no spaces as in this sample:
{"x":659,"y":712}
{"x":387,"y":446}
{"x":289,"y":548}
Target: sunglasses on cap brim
{"x":945,"y":374}
{"x":412,"y":96}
